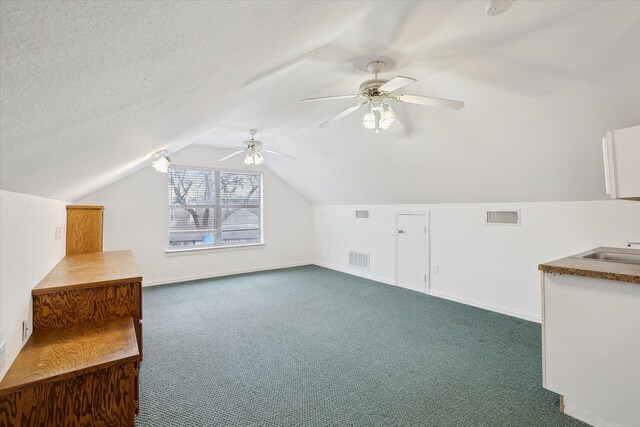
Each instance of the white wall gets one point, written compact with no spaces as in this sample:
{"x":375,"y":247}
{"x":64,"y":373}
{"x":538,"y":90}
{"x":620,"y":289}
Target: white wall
{"x":136,"y":218}
{"x":494,"y":267}
{"x":28,"y":251}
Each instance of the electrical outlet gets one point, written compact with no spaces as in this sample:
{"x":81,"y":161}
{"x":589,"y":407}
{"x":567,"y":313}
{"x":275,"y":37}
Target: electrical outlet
{"x":3,"y":354}
{"x":434,"y":269}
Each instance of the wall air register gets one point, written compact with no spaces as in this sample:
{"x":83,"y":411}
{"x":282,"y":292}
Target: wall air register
{"x":359,"y":260}
{"x":502,"y":218}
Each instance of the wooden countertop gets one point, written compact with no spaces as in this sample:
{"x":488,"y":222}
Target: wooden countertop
{"x":89,"y":270}
{"x":599,"y":269}
{"x":60,"y":353}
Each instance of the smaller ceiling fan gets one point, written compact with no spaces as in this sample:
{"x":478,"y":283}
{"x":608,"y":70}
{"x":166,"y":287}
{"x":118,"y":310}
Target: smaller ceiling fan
{"x":254,"y":151}
{"x":376,"y":92}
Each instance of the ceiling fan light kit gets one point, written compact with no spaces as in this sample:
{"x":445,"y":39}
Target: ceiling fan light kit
{"x":380,"y":116}
{"x":253,"y":157}
{"x":253,"y":151}
{"x":376,"y":92}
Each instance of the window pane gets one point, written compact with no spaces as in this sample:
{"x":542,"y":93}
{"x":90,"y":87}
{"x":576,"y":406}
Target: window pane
{"x":241,"y":214}
{"x":211,"y":208}
{"x":244,"y":236}
{"x":240,"y":218}
{"x":191,"y":218}
{"x":239,"y":189}
{"x":177,"y":240}
{"x":191,"y":187}
{"x":240,"y":224}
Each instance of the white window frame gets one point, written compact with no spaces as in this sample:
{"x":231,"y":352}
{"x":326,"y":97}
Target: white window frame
{"x":218,"y":207}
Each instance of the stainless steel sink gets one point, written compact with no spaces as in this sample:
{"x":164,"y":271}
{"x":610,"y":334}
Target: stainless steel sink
{"x":612,"y":257}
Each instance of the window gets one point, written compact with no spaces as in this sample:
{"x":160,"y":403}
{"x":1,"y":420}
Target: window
{"x":211,"y":208}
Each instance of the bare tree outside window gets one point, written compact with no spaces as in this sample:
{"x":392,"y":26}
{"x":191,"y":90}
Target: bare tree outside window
{"x":214,"y":208}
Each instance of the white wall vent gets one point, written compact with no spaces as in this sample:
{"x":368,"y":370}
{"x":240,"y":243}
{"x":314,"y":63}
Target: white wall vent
{"x":362,"y":214}
{"x":503,"y":217}
{"x":359,"y":260}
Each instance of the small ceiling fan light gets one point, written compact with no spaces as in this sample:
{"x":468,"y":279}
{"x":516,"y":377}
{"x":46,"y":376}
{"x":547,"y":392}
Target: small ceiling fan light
{"x":162,"y":161}
{"x":248,"y":160}
{"x":386,"y":119}
{"x":369,"y":121}
{"x":258,"y":159}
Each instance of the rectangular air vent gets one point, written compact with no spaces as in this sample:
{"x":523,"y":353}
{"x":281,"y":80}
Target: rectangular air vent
{"x":362,"y":214}
{"x":359,"y":260}
{"x":503,"y":217}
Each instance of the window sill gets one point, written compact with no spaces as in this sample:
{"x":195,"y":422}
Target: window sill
{"x":212,"y":249}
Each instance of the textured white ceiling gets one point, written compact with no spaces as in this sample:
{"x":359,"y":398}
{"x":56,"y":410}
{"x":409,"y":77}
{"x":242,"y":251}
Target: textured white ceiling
{"x":90,"y":89}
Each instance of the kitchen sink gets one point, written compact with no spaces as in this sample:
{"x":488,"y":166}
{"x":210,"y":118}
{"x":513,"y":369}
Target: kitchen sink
{"x":612,"y":257}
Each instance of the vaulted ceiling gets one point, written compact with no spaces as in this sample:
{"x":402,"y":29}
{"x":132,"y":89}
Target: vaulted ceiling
{"x":89,"y":89}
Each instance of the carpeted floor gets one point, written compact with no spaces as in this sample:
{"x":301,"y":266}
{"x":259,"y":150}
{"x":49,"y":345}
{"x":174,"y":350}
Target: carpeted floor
{"x":309,"y":346}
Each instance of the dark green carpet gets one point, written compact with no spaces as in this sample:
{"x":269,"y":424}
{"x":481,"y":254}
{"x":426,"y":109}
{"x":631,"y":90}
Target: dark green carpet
{"x":312,"y":347}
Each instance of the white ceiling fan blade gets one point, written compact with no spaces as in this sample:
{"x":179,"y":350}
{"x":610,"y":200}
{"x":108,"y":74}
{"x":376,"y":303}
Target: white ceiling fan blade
{"x":431,"y":101}
{"x":327,"y":98}
{"x":277,"y":153}
{"x":231,"y":155}
{"x":343,"y":114}
{"x":397,"y":83}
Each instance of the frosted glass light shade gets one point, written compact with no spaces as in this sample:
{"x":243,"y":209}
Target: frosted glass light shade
{"x":369,"y":121}
{"x":161,"y":164}
{"x":387,"y":119}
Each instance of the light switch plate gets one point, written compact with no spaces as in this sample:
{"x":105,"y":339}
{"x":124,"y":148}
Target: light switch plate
{"x":3,"y":354}
{"x":25,"y":330}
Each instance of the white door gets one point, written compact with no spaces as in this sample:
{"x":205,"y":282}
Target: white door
{"x":411,"y":255}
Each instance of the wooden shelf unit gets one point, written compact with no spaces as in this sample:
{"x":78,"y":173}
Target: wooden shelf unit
{"x":85,"y":349}
{"x":84,"y":229}
{"x":81,"y":375}
{"x":89,"y":287}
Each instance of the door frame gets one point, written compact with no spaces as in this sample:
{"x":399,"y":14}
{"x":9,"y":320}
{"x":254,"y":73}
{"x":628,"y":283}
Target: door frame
{"x":427,"y":219}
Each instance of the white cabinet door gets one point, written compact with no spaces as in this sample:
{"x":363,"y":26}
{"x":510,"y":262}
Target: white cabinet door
{"x":591,"y":345}
{"x":621,"y":150}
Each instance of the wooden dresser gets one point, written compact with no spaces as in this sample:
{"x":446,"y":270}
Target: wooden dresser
{"x":80,"y":365}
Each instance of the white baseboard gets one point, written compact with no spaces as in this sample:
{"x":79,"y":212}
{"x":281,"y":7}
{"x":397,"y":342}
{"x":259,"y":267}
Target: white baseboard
{"x":188,"y":278}
{"x":487,"y":306}
{"x":444,"y":295}
{"x":355,"y":272}
{"x":363,"y":274}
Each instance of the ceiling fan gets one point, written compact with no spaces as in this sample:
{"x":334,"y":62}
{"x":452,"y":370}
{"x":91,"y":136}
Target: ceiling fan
{"x":253,"y":151}
{"x":376,"y":92}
